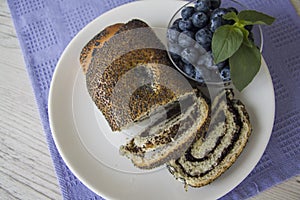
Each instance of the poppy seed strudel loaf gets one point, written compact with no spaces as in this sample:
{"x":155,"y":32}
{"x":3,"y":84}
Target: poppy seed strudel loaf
{"x":131,"y":79}
{"x":215,"y":150}
{"x":125,"y":73}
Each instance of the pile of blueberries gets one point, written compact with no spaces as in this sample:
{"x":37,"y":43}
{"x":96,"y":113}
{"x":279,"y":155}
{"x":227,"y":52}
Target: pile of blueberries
{"x":190,"y":38}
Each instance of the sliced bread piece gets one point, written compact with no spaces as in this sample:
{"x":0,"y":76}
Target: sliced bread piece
{"x":170,"y":137}
{"x":214,"y":152}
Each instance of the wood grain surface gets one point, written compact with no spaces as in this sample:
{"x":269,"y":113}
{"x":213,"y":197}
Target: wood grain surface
{"x":26,"y":168}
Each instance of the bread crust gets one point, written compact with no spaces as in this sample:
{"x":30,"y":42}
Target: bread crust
{"x":133,"y":45}
{"x":96,"y":43}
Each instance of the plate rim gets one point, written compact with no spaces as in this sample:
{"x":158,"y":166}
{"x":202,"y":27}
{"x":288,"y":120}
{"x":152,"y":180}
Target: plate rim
{"x":55,"y":79}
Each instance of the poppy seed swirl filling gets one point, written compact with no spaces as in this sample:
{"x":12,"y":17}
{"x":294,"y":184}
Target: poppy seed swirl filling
{"x":215,"y":151}
{"x":167,"y":138}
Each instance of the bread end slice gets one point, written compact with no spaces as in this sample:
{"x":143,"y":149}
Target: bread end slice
{"x":196,"y":169}
{"x":170,"y":139}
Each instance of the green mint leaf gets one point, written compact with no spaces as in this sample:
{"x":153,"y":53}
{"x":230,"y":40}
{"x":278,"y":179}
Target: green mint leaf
{"x":254,"y":17}
{"x":231,"y":16}
{"x":225,"y":42}
{"x":244,"y":65}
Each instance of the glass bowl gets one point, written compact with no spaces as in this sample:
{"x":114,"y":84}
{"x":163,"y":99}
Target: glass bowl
{"x":190,"y":55}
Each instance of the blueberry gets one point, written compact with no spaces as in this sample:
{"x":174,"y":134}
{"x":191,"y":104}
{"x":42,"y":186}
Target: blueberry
{"x":188,"y":69}
{"x":248,"y":27}
{"x":219,"y":12}
{"x":232,"y":9}
{"x":175,"y":51}
{"x":225,"y":74}
{"x":186,"y":39}
{"x":204,"y":37}
{"x":173,"y":33}
{"x":185,"y":25}
{"x":218,"y":21}
{"x":215,"y":23}
{"x":203,"y":5}
{"x":187,"y":12}
{"x":200,"y":19}
{"x":202,"y":74}
{"x":199,"y":74}
{"x":215,"y":4}
{"x":176,"y":23}
{"x":189,"y":55}
{"x":179,"y":64}
{"x":223,"y":64}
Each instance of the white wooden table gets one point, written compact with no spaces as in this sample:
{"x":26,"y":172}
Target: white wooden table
{"x":26,"y":169}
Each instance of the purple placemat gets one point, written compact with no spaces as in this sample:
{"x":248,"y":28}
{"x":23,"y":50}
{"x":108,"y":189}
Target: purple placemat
{"x":45,"y":27}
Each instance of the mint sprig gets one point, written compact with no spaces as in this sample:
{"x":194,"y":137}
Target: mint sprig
{"x":232,"y":42}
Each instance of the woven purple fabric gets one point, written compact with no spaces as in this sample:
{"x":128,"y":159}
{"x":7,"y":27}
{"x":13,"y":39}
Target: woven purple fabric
{"x":45,"y":27}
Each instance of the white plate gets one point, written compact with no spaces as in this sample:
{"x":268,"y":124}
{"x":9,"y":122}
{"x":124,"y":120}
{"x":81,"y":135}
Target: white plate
{"x":90,"y":150}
